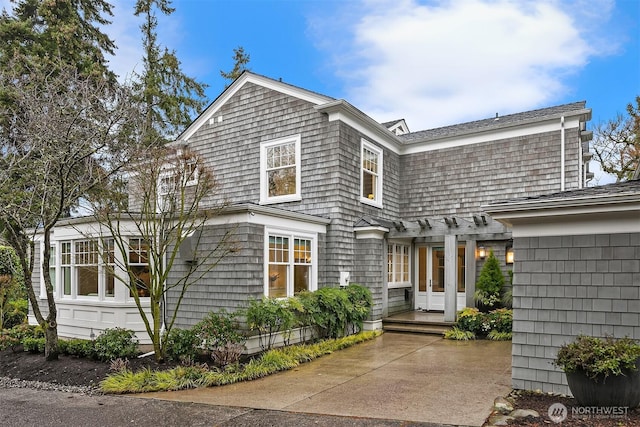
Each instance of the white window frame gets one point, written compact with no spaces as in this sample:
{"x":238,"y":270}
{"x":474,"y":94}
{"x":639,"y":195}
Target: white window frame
{"x":264,"y":181}
{"x":169,"y":172}
{"x":121,"y":290}
{"x":291,"y":235}
{"x":399,"y":252}
{"x":377,"y":196}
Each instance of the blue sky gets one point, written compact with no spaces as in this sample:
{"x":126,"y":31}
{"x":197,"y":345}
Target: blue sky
{"x":433,"y":63}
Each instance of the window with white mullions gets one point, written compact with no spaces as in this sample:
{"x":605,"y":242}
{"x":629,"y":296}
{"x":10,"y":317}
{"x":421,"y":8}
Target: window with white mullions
{"x":280,"y":170}
{"x":398,"y":266}
{"x":371,"y":174}
{"x":290,"y":267}
{"x":139,"y":266}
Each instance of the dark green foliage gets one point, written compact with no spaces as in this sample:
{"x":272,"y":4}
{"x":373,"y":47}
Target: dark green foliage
{"x":489,"y":284}
{"x":77,"y":347}
{"x":116,"y":343}
{"x":329,"y":312}
{"x":218,"y":329}
{"x":14,"y":313}
{"x":361,"y":301}
{"x":599,"y":357}
{"x":182,"y":344}
{"x":13,"y":303}
{"x":33,"y":345}
{"x":494,"y":325}
{"x":270,"y":316}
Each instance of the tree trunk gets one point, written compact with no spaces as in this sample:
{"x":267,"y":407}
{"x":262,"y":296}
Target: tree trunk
{"x":51,"y":341}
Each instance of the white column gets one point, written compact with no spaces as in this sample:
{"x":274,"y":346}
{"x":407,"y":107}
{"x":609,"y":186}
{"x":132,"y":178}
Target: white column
{"x":470,"y":272}
{"x":450,"y":277}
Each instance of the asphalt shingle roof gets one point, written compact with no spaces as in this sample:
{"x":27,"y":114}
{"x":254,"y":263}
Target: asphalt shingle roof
{"x":492,"y":123}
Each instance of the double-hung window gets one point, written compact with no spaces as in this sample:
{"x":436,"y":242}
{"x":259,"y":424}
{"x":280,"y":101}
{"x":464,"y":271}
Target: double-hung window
{"x":398,"y":264}
{"x":280,"y":170}
{"x":371,"y":174}
{"x":86,"y":267}
{"x":290,"y":265}
{"x":139,"y":266}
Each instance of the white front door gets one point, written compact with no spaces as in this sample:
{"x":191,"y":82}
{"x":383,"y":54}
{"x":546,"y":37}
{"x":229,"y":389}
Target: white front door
{"x":429,"y":293}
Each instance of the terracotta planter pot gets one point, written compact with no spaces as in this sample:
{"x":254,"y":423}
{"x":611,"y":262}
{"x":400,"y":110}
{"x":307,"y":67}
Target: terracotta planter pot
{"x":619,"y":390}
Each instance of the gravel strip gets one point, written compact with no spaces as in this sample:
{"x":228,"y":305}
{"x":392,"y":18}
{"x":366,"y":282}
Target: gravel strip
{"x":38,"y":385}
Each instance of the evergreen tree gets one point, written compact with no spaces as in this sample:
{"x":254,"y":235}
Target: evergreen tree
{"x":50,"y":53}
{"x":241,"y":59}
{"x":170,"y":97}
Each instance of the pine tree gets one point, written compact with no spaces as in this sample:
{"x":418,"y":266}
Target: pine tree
{"x":171,"y":98}
{"x":241,"y":59}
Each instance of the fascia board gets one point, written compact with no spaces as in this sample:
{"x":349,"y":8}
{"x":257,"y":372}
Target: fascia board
{"x":549,"y":210}
{"x":513,"y":130}
{"x":245,"y":78}
{"x":341,"y":110}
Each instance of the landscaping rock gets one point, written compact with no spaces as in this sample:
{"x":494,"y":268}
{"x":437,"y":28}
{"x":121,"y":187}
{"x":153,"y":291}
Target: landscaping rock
{"x":524,"y":413}
{"x":502,"y":405}
{"x":498,"y":420}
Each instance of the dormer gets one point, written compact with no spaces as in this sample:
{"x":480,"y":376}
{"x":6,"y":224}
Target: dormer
{"x":398,"y":127}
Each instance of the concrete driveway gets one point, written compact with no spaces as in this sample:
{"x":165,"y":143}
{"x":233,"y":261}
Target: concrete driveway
{"x":397,"y":376}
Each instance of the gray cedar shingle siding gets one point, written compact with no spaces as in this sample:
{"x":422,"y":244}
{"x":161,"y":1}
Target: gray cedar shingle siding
{"x":235,"y":280}
{"x":459,"y":180}
{"x":566,"y":286}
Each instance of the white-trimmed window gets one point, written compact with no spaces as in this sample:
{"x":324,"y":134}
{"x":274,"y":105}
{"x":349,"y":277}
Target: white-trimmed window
{"x":139,"y":266}
{"x":88,"y":269}
{"x":173,"y":178}
{"x":280,"y":170}
{"x":290,"y":263}
{"x":65,"y":267}
{"x":398,"y":264}
{"x":371,"y":174}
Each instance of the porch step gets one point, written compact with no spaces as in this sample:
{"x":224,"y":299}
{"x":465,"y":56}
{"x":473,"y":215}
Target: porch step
{"x":416,"y":326}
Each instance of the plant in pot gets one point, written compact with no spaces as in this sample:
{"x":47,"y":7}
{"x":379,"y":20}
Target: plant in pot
{"x":602,"y":372}
{"x":489,"y":285}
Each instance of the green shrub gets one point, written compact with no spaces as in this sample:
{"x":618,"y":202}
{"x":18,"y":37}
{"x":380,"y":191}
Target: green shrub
{"x":335,"y":309}
{"x":482,"y":324}
{"x":501,"y":320}
{"x":598,"y":357}
{"x":470,"y":319}
{"x":116,"y":343}
{"x":269,"y":316}
{"x":33,"y":345}
{"x":8,"y":341}
{"x":77,"y":347}
{"x":218,"y":329}
{"x":361,"y":302}
{"x":182,"y":344}
{"x":458,"y":334}
{"x":489,"y":284}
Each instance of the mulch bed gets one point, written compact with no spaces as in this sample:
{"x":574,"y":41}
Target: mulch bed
{"x":67,"y":370}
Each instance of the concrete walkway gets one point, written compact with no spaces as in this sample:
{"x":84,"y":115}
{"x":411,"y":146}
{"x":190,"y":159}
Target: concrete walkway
{"x":394,"y":377}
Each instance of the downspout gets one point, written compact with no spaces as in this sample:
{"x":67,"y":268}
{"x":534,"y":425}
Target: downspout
{"x":562,"y":154}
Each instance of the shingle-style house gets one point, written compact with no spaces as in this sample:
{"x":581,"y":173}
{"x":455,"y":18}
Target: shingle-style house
{"x":578,"y":272}
{"x":320,"y":194}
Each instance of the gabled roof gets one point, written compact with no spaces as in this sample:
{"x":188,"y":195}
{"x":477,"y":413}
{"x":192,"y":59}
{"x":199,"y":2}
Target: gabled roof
{"x":249,"y":77}
{"x":575,"y":108}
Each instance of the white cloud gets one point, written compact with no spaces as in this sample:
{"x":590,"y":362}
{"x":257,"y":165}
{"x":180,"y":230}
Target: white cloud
{"x":443,"y":63}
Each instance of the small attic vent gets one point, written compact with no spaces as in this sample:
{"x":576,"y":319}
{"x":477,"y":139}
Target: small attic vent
{"x":213,"y":120}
